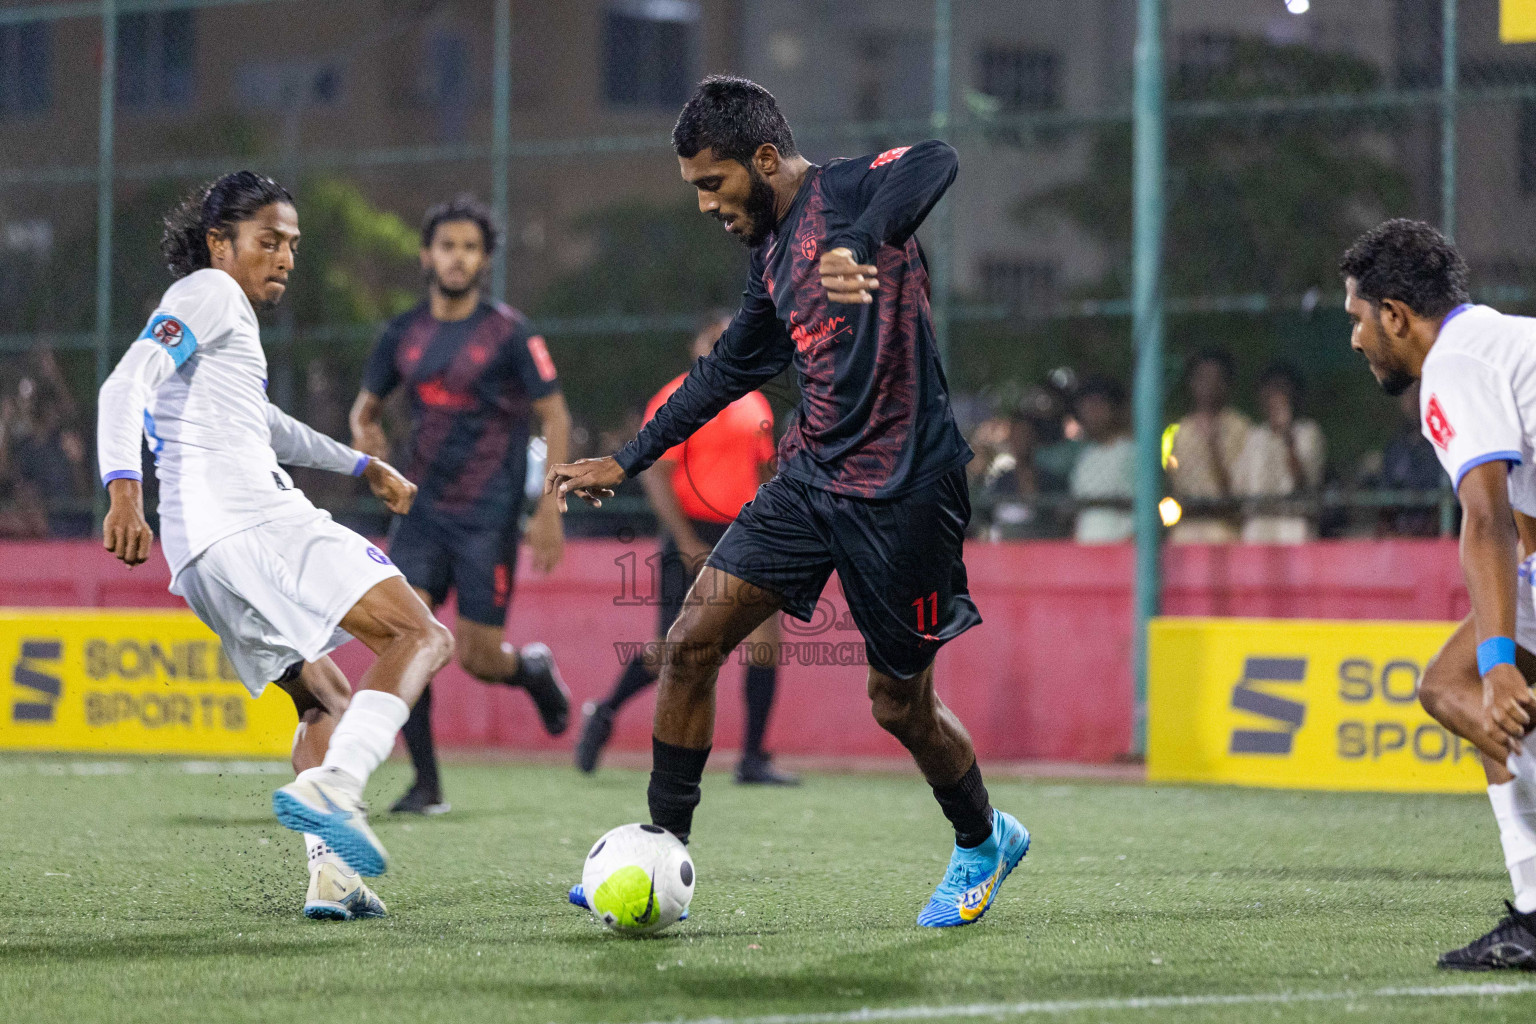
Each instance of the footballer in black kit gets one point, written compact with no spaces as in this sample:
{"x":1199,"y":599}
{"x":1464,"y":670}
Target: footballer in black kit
{"x":475,"y":373}
{"x":871,"y":478}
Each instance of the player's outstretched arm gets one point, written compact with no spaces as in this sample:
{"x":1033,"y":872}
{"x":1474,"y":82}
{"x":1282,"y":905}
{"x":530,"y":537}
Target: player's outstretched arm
{"x":1488,"y":559}
{"x":298,"y":444}
{"x":752,"y":351}
{"x":591,"y":480}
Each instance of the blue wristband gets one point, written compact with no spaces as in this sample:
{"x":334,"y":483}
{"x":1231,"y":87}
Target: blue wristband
{"x":1496,"y":650}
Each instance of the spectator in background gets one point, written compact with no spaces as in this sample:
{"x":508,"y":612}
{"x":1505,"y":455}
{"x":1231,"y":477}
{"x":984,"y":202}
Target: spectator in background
{"x":1106,"y":466}
{"x":1206,"y":448}
{"x":1007,"y":475}
{"x":44,"y":478}
{"x":1283,"y":457}
{"x":1007,"y":480}
{"x":1409,"y":463}
{"x":1061,"y":439}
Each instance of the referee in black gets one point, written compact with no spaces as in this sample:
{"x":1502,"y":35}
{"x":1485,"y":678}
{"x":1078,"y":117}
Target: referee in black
{"x":475,"y":373}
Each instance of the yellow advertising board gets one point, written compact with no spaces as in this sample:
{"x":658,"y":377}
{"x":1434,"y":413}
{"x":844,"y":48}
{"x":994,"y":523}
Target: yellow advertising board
{"x":1517,"y":21}
{"x":149,"y":682}
{"x":1300,"y":704}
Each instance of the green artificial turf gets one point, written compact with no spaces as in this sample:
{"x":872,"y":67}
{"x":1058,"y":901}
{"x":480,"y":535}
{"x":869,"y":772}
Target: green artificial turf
{"x":135,"y":891}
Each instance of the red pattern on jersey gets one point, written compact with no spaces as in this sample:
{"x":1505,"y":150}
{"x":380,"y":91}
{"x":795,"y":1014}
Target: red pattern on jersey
{"x":890,"y":156}
{"x":541,"y":360}
{"x":1440,"y":430}
{"x":870,"y":461}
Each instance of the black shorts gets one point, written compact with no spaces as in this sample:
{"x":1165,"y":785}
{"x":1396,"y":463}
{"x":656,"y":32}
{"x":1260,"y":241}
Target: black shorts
{"x":899,"y":560}
{"x":477,"y":562}
{"x":677,"y":577}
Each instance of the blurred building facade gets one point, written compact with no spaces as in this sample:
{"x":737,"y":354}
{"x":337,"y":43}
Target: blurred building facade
{"x":394,"y":100}
{"x":295,"y":85}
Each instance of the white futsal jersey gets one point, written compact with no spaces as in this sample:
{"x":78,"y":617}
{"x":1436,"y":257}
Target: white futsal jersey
{"x":268,"y":572}
{"x":1477,"y":404}
{"x":1477,"y":399}
{"x":195,"y":385}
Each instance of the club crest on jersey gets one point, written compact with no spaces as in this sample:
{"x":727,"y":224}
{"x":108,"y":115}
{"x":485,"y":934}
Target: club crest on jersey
{"x":1440,"y":430}
{"x":167,"y":332}
{"x":173,"y":335}
{"x":808,"y":247}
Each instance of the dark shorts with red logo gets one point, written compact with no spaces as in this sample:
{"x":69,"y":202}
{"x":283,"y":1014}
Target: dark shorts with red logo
{"x":478,"y":564}
{"x":899,"y":561}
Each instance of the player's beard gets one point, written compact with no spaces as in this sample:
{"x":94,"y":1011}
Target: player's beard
{"x":452,"y":294}
{"x":760,"y":209}
{"x":1395,"y":382}
{"x":1391,"y":374}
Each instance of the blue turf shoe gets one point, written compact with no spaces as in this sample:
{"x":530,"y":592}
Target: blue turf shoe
{"x":973,"y":877}
{"x":323,"y":802}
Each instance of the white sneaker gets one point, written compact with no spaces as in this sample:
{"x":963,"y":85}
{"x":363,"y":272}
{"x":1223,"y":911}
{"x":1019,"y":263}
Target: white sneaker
{"x":338,"y":895}
{"x":324,"y":804}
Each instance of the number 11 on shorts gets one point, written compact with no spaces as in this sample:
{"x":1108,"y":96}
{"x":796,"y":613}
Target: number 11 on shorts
{"x":930,"y":605}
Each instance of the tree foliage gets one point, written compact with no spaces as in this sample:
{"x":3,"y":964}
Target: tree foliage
{"x":1255,"y":203}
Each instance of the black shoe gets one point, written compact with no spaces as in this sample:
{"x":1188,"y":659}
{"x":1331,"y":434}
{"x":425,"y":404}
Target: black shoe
{"x":758,"y":770}
{"x":1510,"y":946}
{"x":537,"y":674}
{"x":421,"y":800}
{"x":596,"y":727}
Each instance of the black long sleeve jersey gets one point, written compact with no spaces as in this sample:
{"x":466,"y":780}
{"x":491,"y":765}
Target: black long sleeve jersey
{"x":874,"y":419}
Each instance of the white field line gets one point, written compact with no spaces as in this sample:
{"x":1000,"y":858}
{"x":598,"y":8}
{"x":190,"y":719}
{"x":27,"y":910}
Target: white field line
{"x":1128,"y":1004}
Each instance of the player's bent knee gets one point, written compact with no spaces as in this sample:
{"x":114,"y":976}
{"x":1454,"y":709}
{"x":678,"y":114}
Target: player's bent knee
{"x":1436,"y":687}
{"x":899,"y":707}
{"x":691,"y":646}
{"x":433,"y":639}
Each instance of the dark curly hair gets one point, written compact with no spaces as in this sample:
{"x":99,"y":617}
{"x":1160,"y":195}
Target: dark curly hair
{"x":1411,"y":262}
{"x":219,"y":207}
{"x":732,"y":116}
{"x":462,"y":207}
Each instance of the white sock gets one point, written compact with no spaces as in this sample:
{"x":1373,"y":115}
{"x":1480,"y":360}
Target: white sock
{"x":319,"y":852}
{"x":366,"y":734}
{"x":1516,"y":814}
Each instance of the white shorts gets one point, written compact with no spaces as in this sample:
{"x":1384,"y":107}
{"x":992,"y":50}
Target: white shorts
{"x":275,"y":593}
{"x":1525,"y":609}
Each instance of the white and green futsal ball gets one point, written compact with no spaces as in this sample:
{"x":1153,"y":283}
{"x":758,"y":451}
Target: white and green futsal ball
{"x":638,"y":879}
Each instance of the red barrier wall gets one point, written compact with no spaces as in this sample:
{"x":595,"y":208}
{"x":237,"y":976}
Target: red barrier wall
{"x":1047,"y":676}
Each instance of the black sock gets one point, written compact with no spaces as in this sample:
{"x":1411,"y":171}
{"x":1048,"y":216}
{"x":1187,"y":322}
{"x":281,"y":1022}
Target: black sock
{"x":418,"y":740}
{"x":966,"y":806}
{"x":761,"y":682}
{"x":635,"y":678}
{"x":674,"y":789}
